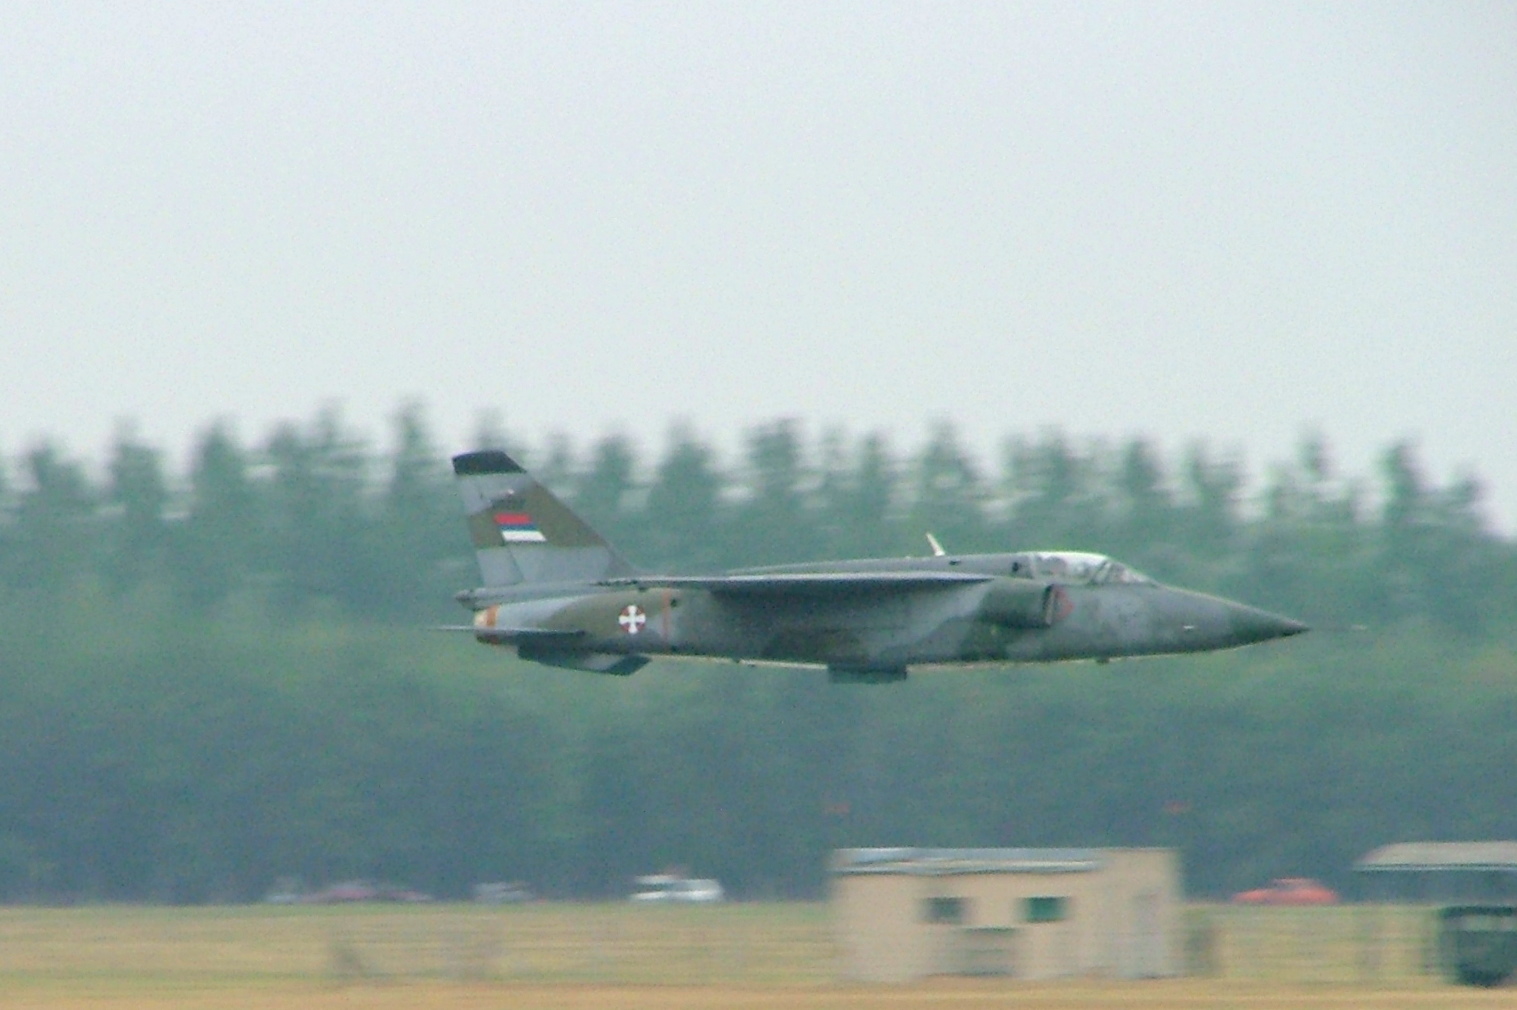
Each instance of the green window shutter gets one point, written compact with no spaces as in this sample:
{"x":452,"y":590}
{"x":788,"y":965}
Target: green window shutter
{"x":1045,"y":909}
{"x":943,"y":910}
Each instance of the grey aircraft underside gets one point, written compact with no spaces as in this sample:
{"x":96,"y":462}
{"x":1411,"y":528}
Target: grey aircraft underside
{"x":561,"y":595}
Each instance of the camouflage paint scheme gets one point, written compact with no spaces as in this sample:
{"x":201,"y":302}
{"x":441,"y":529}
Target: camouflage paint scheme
{"x":558,"y":593}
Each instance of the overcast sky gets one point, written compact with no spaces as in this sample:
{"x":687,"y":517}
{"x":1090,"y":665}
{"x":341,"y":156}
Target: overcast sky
{"x":1232,"y":222}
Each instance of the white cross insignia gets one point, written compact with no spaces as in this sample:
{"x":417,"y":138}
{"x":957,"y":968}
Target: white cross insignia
{"x":632,"y":619}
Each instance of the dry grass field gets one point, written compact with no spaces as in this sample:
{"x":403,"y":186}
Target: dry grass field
{"x":1179,"y":994}
{"x":599,"y":957}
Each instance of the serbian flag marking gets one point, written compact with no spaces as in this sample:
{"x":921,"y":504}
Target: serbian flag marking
{"x":518,"y":528}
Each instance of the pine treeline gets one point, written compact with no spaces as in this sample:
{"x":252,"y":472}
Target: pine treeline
{"x":216,"y":678}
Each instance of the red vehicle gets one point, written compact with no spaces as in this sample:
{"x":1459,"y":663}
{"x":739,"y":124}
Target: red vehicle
{"x":1289,"y":891}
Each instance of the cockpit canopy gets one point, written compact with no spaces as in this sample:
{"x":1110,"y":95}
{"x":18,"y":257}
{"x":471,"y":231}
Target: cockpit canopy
{"x":1081,"y":568}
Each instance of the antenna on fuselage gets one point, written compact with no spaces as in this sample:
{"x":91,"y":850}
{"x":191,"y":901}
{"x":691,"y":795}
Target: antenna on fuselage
{"x":937,"y":548}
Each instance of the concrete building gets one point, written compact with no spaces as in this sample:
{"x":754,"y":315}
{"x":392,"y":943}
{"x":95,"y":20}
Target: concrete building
{"x":902,"y":914}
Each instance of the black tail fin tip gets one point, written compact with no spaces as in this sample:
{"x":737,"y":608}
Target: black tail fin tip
{"x":483,"y":462}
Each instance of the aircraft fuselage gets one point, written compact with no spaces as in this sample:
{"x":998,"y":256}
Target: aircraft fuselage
{"x":875,"y":633}
{"x":560,"y":594}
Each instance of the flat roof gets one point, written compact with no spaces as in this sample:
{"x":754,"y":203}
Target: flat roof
{"x":944,"y":862}
{"x":1412,"y":857}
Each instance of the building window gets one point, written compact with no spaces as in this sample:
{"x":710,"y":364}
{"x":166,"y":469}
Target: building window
{"x":946,"y":910}
{"x":1045,"y":909}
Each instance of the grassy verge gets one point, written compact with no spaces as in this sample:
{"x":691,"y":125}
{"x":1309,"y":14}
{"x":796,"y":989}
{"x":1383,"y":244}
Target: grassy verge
{"x":619,"y":954}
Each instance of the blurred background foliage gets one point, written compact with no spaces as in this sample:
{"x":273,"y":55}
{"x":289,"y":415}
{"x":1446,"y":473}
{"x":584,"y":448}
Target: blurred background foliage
{"x":220,"y":676}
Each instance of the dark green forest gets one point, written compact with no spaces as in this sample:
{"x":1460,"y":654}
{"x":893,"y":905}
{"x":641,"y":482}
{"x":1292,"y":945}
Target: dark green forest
{"x":220,"y":673}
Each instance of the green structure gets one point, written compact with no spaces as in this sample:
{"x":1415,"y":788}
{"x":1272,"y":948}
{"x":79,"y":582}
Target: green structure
{"x":1477,"y":928}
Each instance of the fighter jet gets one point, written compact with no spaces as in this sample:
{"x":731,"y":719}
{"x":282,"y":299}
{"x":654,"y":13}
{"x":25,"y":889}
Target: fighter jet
{"x":559,"y":594}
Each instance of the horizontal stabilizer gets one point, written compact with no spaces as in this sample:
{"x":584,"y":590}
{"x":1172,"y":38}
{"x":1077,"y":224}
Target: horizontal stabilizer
{"x":806,"y":583}
{"x":615,"y":664}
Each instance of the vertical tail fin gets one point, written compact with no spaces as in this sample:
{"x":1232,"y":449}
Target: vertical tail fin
{"x":522,"y":533}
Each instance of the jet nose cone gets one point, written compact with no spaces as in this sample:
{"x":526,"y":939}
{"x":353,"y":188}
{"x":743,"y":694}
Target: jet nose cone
{"x":1251,"y":624}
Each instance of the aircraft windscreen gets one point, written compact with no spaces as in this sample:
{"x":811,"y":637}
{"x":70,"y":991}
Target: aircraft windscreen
{"x":1116,"y":572}
{"x":1082,"y":568}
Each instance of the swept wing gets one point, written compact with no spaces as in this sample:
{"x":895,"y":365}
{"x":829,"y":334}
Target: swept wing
{"x":804,"y":583}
